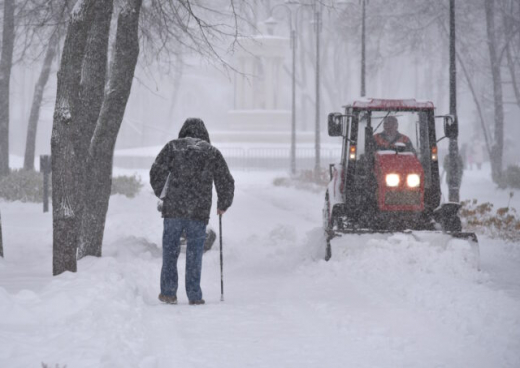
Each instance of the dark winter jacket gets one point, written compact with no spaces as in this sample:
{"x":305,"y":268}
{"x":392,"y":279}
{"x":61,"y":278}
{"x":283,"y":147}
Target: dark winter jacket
{"x":191,"y":165}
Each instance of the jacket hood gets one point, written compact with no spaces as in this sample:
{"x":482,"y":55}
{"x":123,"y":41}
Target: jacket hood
{"x":194,"y":128}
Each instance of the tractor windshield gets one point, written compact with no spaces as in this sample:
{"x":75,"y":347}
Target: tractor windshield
{"x":405,"y":132}
{"x":393,"y":130}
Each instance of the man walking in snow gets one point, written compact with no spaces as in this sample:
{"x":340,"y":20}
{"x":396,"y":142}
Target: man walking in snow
{"x":187,"y":168}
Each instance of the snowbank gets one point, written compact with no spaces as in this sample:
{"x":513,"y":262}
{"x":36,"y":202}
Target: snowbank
{"x":398,"y":300}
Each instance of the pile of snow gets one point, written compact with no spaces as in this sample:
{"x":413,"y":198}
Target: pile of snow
{"x":430,"y":281}
{"x":394,"y":300}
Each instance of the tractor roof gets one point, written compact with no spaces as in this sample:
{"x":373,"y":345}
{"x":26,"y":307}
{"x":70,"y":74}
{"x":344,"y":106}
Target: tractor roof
{"x":385,"y":104}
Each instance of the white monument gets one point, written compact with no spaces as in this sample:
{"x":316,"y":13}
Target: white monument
{"x":258,"y":114}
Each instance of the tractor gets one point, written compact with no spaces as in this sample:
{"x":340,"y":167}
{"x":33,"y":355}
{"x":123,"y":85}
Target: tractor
{"x":394,"y":187}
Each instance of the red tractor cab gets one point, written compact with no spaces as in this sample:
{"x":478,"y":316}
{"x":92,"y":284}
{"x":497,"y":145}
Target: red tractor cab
{"x":388,"y":181}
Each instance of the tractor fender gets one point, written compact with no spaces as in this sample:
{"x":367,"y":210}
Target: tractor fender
{"x":336,"y":186}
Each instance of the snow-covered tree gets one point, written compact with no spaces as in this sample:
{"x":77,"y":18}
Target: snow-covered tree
{"x":6,"y":63}
{"x":91,"y":102}
{"x":80,"y":156}
{"x":1,"y":242}
{"x":44,"y":22}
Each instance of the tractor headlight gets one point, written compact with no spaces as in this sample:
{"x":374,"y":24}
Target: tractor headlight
{"x":392,"y":180}
{"x":413,"y":180}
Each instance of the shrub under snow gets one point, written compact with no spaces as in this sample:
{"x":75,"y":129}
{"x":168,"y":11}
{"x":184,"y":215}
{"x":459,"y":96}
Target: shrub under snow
{"x":27,"y":186}
{"x":126,"y":185}
{"x":481,"y":218}
{"x":22,"y":185}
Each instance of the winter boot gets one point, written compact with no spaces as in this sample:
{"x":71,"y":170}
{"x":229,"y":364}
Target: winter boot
{"x":168,"y":299}
{"x":197,"y":302}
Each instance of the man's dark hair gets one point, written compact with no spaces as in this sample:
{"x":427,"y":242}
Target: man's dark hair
{"x":194,"y":128}
{"x":391,"y":120}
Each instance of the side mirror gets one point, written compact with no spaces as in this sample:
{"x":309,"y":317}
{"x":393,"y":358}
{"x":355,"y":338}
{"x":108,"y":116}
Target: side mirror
{"x":451,"y":127}
{"x":335,"y":125}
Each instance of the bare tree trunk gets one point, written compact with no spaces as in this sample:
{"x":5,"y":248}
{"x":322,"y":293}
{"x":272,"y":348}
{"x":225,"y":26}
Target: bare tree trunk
{"x":498,"y":146}
{"x":65,"y":201}
{"x":1,"y":243}
{"x":511,"y":67}
{"x":30,"y":145}
{"x":104,"y":139}
{"x":477,"y":103}
{"x":509,"y":31}
{"x":472,"y":90}
{"x":93,"y":76}
{"x":329,"y":77}
{"x":92,"y":92}
{"x":177,"y":77}
{"x":6,"y":62}
{"x":441,"y":78}
{"x":301,"y":77}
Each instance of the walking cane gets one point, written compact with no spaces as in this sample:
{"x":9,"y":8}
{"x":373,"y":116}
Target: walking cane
{"x":221,"y":261}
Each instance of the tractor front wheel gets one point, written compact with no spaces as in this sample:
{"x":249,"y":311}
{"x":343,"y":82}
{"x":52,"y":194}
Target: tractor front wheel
{"x":452,"y":224}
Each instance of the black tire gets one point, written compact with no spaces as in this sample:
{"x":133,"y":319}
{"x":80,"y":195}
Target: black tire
{"x":452,"y":224}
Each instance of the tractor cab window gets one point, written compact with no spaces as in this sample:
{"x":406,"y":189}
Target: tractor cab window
{"x":396,"y":131}
{"x":406,"y":132}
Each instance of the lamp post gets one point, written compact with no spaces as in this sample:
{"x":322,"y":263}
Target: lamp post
{"x":363,"y":39}
{"x":292,"y":22}
{"x":454,"y":168}
{"x":363,"y":50}
{"x":293,"y":102}
{"x":317,"y":20}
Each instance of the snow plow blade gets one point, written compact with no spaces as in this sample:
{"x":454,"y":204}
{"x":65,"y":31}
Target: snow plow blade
{"x":420,"y":235}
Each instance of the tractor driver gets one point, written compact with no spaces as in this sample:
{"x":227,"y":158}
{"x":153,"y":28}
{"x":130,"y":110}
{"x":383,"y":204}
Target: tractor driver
{"x":387,"y":139}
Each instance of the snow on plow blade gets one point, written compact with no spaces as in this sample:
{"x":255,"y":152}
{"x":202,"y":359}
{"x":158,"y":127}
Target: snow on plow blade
{"x":465,"y":242}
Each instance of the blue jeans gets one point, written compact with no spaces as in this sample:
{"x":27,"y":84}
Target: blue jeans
{"x":195,"y":235}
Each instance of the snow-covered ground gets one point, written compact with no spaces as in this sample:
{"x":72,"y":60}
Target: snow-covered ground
{"x":394,"y":301}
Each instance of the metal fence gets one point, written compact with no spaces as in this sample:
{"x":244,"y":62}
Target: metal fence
{"x":252,"y":159}
{"x":277,"y":158}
